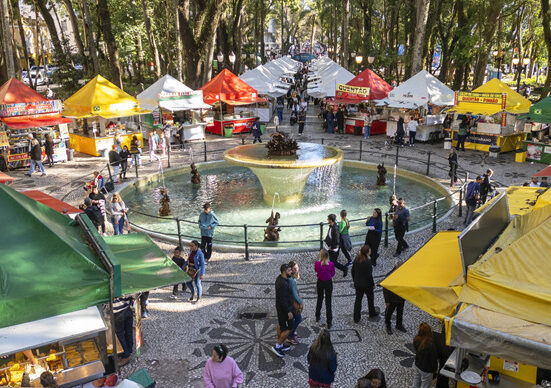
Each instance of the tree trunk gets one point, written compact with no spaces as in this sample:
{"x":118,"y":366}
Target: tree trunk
{"x":50,"y":24}
{"x":345,"y":52}
{"x":421,"y":17}
{"x":64,"y":40}
{"x":489,"y":28}
{"x":151,"y":39}
{"x":113,"y":52}
{"x":141,"y":67}
{"x":23,"y":42}
{"x":179,"y":63}
{"x":90,"y":37}
{"x":261,"y":31}
{"x":7,"y":42}
{"x":74,"y":25}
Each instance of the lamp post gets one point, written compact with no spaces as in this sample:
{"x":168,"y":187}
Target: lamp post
{"x":516,"y":62}
{"x":370,"y":59}
{"x":498,"y":55}
{"x":525,"y":63}
{"x":359,"y":59}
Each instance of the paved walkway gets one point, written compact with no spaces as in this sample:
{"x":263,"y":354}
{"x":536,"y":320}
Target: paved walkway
{"x":178,"y":336}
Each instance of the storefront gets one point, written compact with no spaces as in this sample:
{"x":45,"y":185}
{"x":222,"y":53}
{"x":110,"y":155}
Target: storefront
{"x":102,"y":113}
{"x":24,"y":111}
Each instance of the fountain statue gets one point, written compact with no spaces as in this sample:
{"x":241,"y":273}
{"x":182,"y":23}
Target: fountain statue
{"x":195,"y":177}
{"x":271,"y":233}
{"x":381,"y":175}
{"x":283,"y":165}
{"x":164,"y":210}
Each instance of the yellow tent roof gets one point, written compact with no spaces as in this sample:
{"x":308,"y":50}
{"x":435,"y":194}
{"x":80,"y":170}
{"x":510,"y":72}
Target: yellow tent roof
{"x":520,"y":199}
{"x":544,"y":199}
{"x":425,"y":279}
{"x":515,"y":103}
{"x":99,"y":97}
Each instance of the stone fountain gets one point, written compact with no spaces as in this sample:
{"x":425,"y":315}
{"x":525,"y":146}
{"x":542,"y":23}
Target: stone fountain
{"x":283,"y":165}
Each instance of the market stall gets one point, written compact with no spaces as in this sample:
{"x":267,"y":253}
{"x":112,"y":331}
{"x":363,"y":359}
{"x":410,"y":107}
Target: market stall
{"x":226,"y":91}
{"x":492,"y":111}
{"x":323,"y":80}
{"x":101,"y":112}
{"x":538,"y":143}
{"x":424,"y":97}
{"x":366,"y":86}
{"x":24,"y":111}
{"x":177,"y":105}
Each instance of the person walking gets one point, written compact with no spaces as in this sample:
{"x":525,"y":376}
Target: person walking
{"x":332,"y":241}
{"x":195,"y":261}
{"x":284,"y":309}
{"x":182,"y":264}
{"x":325,"y":270}
{"x":298,"y":305}
{"x":472,"y":199}
{"x":35,"y":154}
{"x":362,"y":274}
{"x":115,"y":161}
{"x":153,"y":145}
{"x":280,"y":109}
{"x":486,"y":186}
{"x":367,"y":124}
{"x":340,"y":120}
{"x":256,"y":131}
{"x":401,"y":220}
{"x":322,"y":361}
{"x":462,"y":133}
{"x":426,"y":357}
{"x":452,"y":161}
{"x":135,"y":151}
{"x":412,"y":129}
{"x":374,"y":232}
{"x":124,"y":327}
{"x":221,"y":371}
{"x":207,"y":222}
{"x":301,"y":121}
{"x":124,"y":154}
{"x":393,"y":302}
{"x":330,"y":118}
{"x":49,"y":150}
{"x":344,"y":237}
{"x":400,"y":132}
{"x":118,"y":213}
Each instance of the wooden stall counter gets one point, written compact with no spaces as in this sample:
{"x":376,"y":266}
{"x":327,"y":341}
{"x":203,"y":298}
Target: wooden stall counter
{"x":239,"y":124}
{"x":96,"y":145}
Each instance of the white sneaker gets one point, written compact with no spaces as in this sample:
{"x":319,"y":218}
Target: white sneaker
{"x":173,"y":296}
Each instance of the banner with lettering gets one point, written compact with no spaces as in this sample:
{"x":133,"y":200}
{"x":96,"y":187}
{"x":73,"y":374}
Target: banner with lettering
{"x":30,"y":108}
{"x":353,"y":91}
{"x":480,"y":98}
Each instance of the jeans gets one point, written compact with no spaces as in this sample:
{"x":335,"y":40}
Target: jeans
{"x":461,"y":142}
{"x":116,"y":170}
{"x":298,"y":320}
{"x":360,"y":292}
{"x":280,"y":114}
{"x":35,"y":163}
{"x":206,"y":246}
{"x":136,"y":159}
{"x":399,"y":233}
{"x":367,"y":131}
{"x":412,"y":137}
{"x":124,"y":166}
{"x":124,"y":328}
{"x":343,"y":247}
{"x":118,"y":226}
{"x":399,"y":307}
{"x":470,"y":214}
{"x":330,"y":127}
{"x":324,"y":288}
{"x":197,"y":282}
{"x":333,"y":257}
{"x":422,"y":379}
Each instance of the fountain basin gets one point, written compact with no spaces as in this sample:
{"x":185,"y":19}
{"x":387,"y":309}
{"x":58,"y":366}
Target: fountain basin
{"x":287,"y":174}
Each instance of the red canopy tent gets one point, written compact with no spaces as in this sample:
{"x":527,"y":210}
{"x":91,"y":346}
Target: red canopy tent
{"x":378,"y":88}
{"x":22,"y":107}
{"x":545,"y":172}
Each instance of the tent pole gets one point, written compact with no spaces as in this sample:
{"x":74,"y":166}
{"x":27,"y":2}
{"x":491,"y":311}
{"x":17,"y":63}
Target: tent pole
{"x":221,"y":120}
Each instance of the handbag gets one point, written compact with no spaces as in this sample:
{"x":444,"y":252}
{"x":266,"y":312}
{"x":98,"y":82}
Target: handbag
{"x":192,"y":272}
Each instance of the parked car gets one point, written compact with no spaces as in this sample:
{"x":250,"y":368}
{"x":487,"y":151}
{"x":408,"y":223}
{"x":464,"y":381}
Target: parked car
{"x":40,"y":73}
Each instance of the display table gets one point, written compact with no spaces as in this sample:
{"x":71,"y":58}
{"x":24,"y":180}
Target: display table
{"x":351,"y":122}
{"x":239,"y":124}
{"x":538,"y":152}
{"x":95,"y":145}
{"x":194,"y":131}
{"x":427,"y":132}
{"x":482,"y":141}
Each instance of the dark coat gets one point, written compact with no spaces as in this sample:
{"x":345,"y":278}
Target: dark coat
{"x":362,"y":273}
{"x":49,"y":147}
{"x":114,"y":158}
{"x":333,"y":240}
{"x":284,"y":295}
{"x":36,"y":150}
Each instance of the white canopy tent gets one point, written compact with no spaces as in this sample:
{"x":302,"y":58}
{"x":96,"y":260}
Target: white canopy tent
{"x":169,"y":93}
{"x":261,"y":79}
{"x":324,"y":81}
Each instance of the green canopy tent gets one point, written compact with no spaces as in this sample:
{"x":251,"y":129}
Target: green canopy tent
{"x":540,"y":112}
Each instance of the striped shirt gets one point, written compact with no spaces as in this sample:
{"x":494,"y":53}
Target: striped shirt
{"x":121,"y":304}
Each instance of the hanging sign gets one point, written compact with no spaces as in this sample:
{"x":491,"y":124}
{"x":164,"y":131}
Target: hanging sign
{"x":30,"y":108}
{"x":361,"y":91}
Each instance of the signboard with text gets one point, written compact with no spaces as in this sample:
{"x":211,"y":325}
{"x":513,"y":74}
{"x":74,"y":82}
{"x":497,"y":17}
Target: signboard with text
{"x":359,"y":91}
{"x":481,"y":98}
{"x":30,"y":108}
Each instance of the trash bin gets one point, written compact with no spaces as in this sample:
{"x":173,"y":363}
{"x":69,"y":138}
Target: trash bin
{"x":262,"y":128}
{"x":70,"y":154}
{"x":357,"y":131}
{"x":494,"y":151}
{"x":448,"y":143}
{"x":228,"y":130}
{"x":520,"y":156}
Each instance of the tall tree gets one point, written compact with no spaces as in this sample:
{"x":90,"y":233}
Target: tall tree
{"x":546,"y":23}
{"x":345,"y":38}
{"x":113,"y":52}
{"x":7,"y":40}
{"x":91,"y":42}
{"x":421,"y":16}
{"x":151,"y":39}
{"x":74,"y":24}
{"x":50,"y":24}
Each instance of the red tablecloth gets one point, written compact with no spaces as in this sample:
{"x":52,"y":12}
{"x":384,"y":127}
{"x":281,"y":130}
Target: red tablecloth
{"x":239,"y":125}
{"x":378,"y":127}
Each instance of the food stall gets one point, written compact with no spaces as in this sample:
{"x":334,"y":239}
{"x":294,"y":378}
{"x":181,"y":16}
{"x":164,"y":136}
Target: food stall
{"x":493,"y":111}
{"x":24,"y":111}
{"x":538,"y":143}
{"x":172,"y":103}
{"x":224,"y":92}
{"x":366,"y":86}
{"x":422,"y":96}
{"x":93,"y":108}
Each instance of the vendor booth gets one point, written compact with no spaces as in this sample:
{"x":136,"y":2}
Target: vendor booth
{"x":176,"y":105}
{"x":496,"y":308}
{"x":225,"y":92}
{"x":24,"y":111}
{"x":102,"y":112}
{"x":424,"y":96}
{"x":366,"y":86}
{"x":59,"y":276}
{"x":492,"y":110}
{"x":538,"y":143}
{"x":323,"y":80}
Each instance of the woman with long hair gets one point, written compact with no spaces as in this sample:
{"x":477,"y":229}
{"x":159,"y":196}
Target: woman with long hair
{"x":297,"y":301}
{"x":374,"y":379}
{"x":426,"y":357}
{"x":374,"y":232}
{"x":362,"y":274}
{"x":325,"y":270}
{"x":118,"y":213}
{"x":322,"y":361}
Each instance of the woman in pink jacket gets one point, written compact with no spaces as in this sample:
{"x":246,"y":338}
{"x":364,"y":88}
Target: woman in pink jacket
{"x":221,"y":371}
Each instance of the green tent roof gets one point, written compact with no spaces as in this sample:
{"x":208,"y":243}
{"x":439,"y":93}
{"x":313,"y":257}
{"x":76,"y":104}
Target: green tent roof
{"x":46,"y":266}
{"x":540,"y":112}
{"x":144,"y":266}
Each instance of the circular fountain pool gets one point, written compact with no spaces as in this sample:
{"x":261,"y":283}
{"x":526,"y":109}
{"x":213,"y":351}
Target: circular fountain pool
{"x":236,"y":196}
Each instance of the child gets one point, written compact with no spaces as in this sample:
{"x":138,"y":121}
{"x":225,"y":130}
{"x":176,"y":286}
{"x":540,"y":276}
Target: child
{"x":182,"y":263}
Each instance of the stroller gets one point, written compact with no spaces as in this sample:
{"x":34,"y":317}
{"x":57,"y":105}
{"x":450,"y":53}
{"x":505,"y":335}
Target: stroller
{"x":293,"y":118}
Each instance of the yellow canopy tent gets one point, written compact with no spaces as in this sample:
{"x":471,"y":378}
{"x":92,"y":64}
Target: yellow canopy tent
{"x":99,"y":97}
{"x":520,"y":199}
{"x":515,"y":103}
{"x":426,"y":279}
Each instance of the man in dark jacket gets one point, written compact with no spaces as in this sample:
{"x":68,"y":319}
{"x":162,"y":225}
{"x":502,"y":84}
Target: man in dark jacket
{"x":115,"y":161}
{"x":93,"y":212}
{"x":362,"y":274}
{"x":284,"y":308}
{"x":332,"y":241}
{"x":393,"y":302}
{"x":256,"y":131}
{"x":35,"y":153}
{"x":340,"y":120}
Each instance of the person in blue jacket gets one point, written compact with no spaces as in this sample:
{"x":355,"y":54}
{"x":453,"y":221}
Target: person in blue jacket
{"x":196,"y":260}
{"x":375,"y":229}
{"x":207,"y":223}
{"x":322,"y":361}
